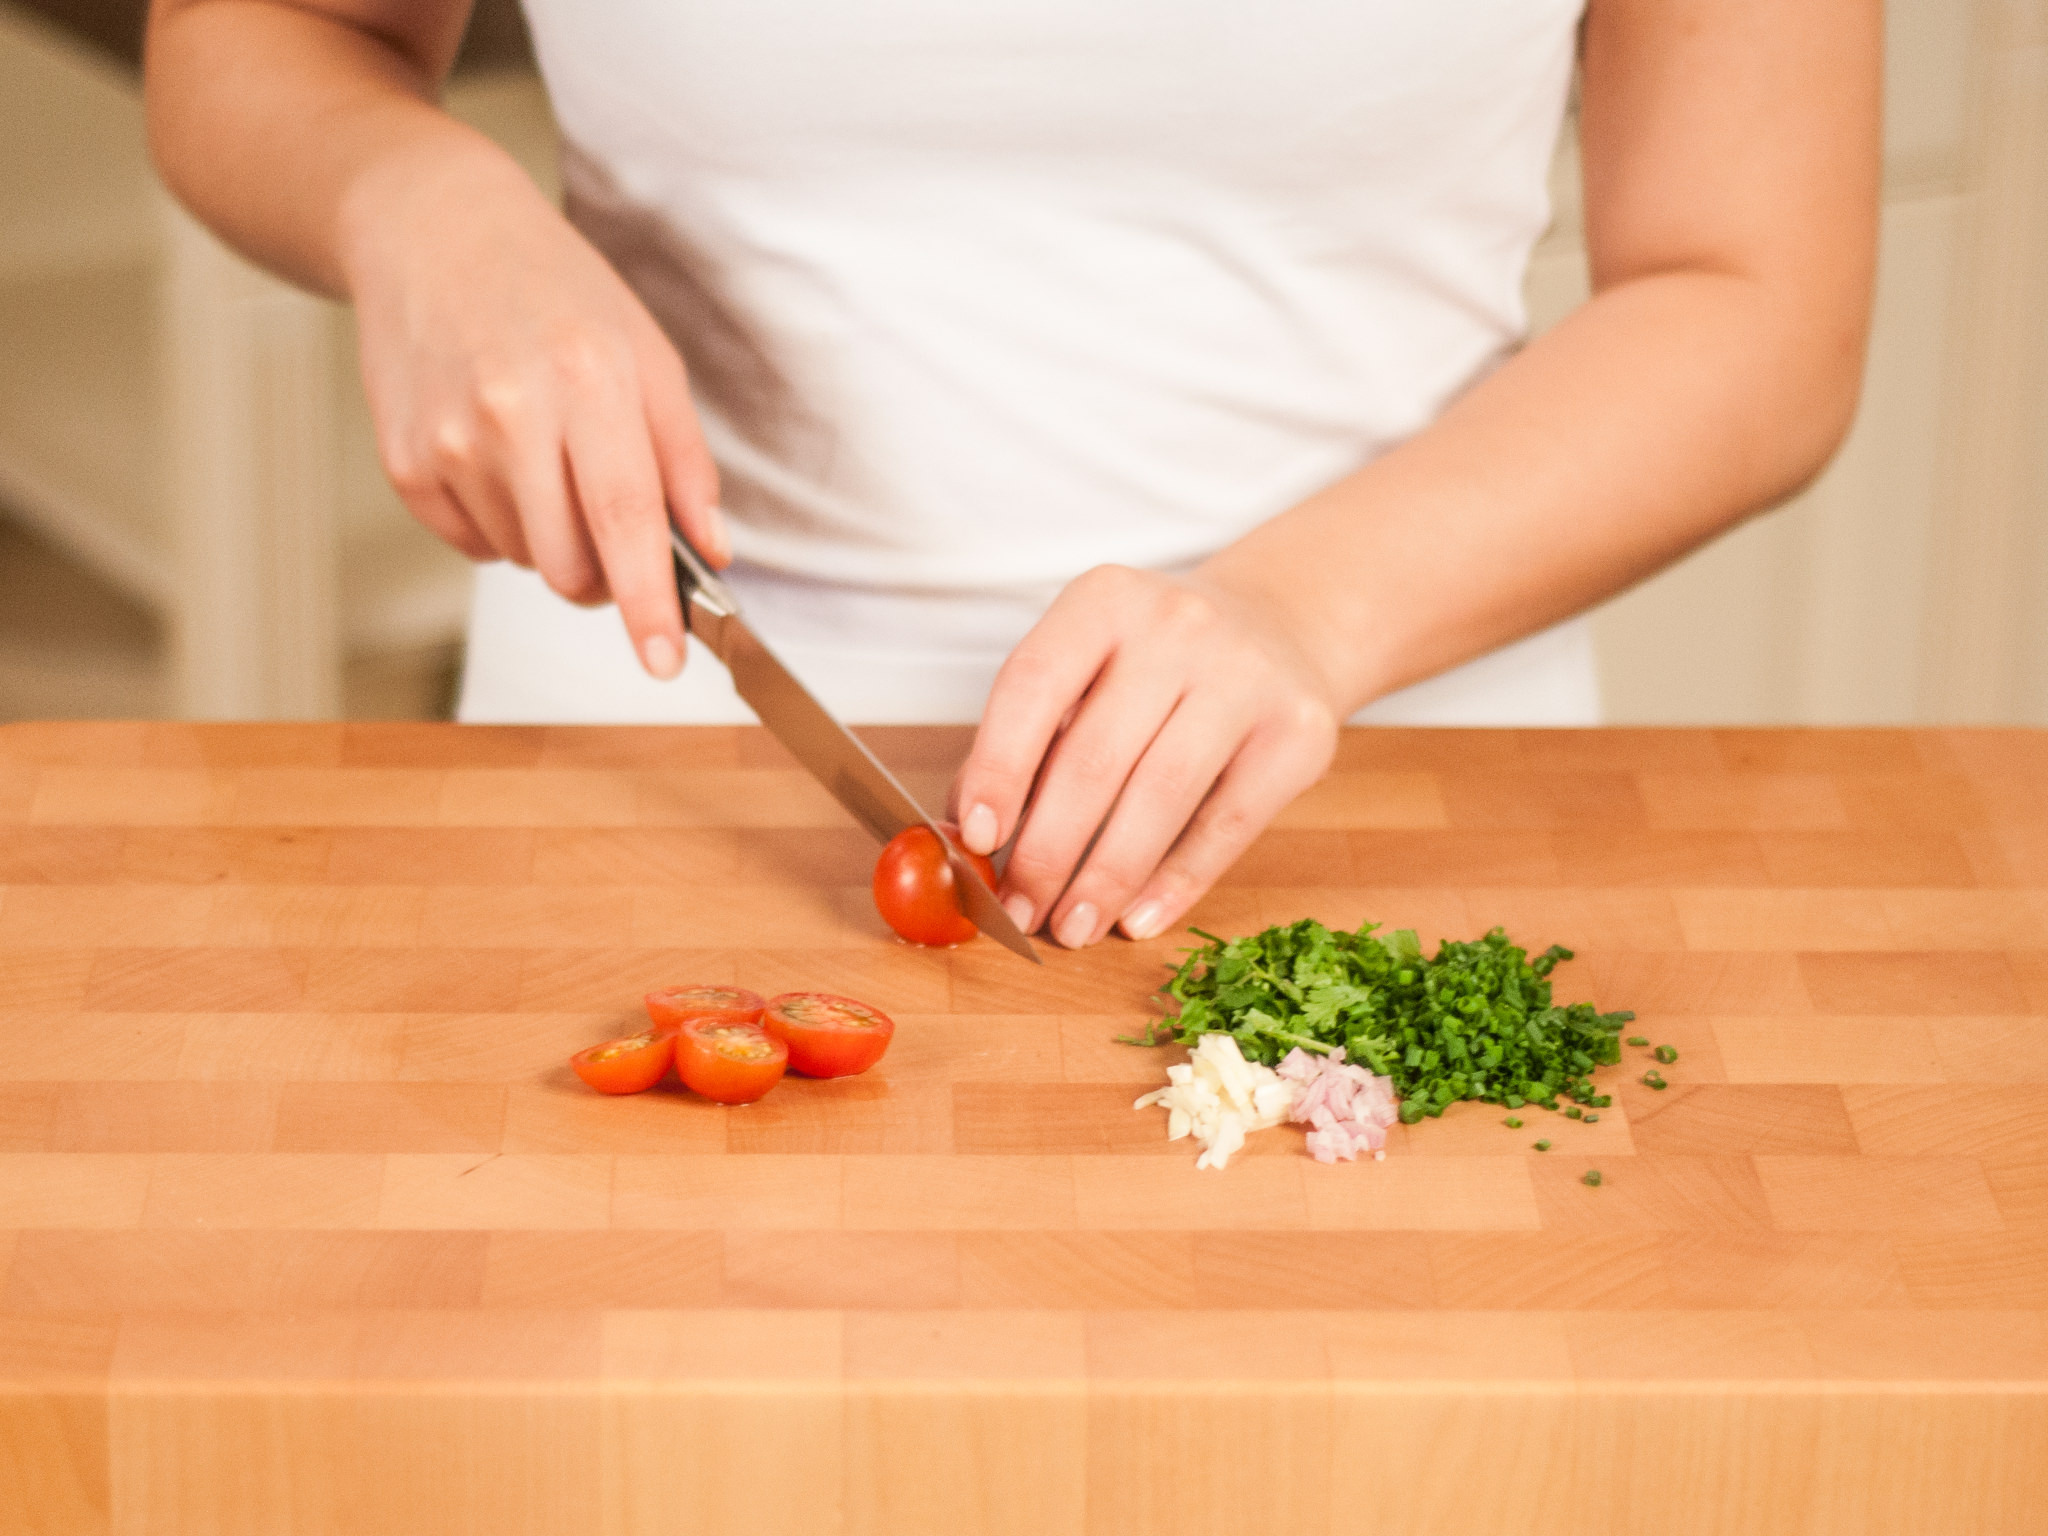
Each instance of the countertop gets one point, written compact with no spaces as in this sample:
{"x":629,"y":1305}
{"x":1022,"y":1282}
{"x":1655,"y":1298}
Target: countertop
{"x":305,"y":1226}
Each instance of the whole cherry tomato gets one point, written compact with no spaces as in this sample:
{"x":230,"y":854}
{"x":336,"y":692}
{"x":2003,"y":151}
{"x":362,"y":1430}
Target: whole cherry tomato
{"x":914,"y":887}
{"x":828,"y":1036}
{"x":730,"y":1063}
{"x":625,"y":1066}
{"x":673,"y":1007}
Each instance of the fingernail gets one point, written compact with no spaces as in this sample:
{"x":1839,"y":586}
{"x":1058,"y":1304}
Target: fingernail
{"x":721,"y":540}
{"x":1143,"y":922}
{"x":1078,"y":926}
{"x":978,"y":831}
{"x":1020,"y":912}
{"x":661,"y":656}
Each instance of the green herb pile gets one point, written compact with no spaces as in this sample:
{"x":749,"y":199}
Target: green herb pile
{"x":1474,"y":1022}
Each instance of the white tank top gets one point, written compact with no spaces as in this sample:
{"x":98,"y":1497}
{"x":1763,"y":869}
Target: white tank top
{"x":977,"y":296}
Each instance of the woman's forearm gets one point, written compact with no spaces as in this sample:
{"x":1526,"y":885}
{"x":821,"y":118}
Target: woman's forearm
{"x":526,"y":405}
{"x":1653,"y":418}
{"x":284,"y":128}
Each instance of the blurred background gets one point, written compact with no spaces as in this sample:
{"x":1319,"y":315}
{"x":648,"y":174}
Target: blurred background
{"x":192,"y":520}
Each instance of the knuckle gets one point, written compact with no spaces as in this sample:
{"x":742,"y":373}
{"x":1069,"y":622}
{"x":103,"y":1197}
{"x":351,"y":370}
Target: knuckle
{"x":454,"y":440}
{"x":1109,"y":877}
{"x":576,"y":581}
{"x":1032,"y":870}
{"x":1178,"y":885}
{"x":1312,"y":718}
{"x":1230,"y":825}
{"x":1030,"y":668}
{"x":1110,"y":580}
{"x":1175,"y":781}
{"x":613,"y":510}
{"x":507,"y":402}
{"x":1183,"y":611}
{"x":406,"y":468}
{"x":583,"y":357}
{"x":1092,"y":762}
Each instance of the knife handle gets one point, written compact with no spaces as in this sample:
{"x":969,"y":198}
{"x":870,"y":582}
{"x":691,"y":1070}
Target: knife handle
{"x":699,"y":585}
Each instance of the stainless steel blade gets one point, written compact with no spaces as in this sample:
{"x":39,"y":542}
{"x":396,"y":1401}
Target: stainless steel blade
{"x":833,"y":755}
{"x":981,"y":906}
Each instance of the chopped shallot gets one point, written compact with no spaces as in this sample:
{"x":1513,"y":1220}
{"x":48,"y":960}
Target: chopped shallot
{"x":1219,"y":1098}
{"x":1349,"y":1107}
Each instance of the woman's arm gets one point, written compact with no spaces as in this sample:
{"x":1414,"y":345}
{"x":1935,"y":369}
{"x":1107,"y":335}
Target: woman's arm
{"x":275,"y":122}
{"x":1732,"y":156}
{"x":527,"y":406}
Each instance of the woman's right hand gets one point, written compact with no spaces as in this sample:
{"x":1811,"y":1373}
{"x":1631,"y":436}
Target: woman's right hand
{"x":527,"y":406}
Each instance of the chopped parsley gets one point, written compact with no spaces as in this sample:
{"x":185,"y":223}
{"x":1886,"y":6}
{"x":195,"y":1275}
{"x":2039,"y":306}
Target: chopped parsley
{"x":1474,"y":1021}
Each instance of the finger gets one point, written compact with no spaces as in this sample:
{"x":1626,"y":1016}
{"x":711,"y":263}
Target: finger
{"x":613,"y":475}
{"x":688,"y":476}
{"x":1085,"y":773}
{"x":520,"y":455}
{"x":465,"y":468}
{"x":1271,"y":768}
{"x":440,"y":514}
{"x":428,"y":498}
{"x":1164,"y":791}
{"x":486,"y":502}
{"x":1038,"y":686}
{"x":554,"y":522}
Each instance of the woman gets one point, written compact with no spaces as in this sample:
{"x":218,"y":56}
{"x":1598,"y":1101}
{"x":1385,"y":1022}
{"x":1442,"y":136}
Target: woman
{"x":1149,"y":372}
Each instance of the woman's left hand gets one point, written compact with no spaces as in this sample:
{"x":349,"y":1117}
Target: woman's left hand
{"x":1174,"y":714}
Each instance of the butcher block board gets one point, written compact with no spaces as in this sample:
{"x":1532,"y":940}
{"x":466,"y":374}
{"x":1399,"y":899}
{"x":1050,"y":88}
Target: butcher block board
{"x":305,"y":1226}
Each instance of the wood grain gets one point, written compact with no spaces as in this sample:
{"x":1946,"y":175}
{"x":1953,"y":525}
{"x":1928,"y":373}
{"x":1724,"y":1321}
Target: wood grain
{"x":304,"y":1226}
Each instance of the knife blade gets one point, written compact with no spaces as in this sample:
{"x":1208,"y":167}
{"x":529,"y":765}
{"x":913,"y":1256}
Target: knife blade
{"x":832,"y":754}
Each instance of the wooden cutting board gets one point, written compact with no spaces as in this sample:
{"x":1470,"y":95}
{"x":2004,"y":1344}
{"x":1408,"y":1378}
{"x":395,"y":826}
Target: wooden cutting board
{"x":304,"y":1225}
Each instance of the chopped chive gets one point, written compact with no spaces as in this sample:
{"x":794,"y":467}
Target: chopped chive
{"x":1513,"y":1124}
{"x":1592,"y":1119}
{"x":1472,"y":1021}
{"x":1666,"y":1054}
{"x":1638,"y":1040}
{"x":1590,"y":1177}
{"x":1601,"y":1102}
{"x":1542,"y":1146}
{"x":1654,"y":1079}
{"x":1573,"y":1112}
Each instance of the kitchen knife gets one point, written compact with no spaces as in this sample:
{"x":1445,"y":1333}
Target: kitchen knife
{"x":834,"y":756}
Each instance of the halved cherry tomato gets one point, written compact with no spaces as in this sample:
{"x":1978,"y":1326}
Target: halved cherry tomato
{"x":828,"y":1036}
{"x":625,"y":1066}
{"x":914,"y":887}
{"x":731,"y":1063}
{"x":673,"y":1007}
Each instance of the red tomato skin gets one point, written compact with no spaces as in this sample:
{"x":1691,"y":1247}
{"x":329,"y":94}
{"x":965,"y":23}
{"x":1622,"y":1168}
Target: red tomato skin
{"x":673,"y":1007}
{"x":610,"y":1069}
{"x":718,"y":1076}
{"x":821,"y":1048}
{"x":914,"y":888}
